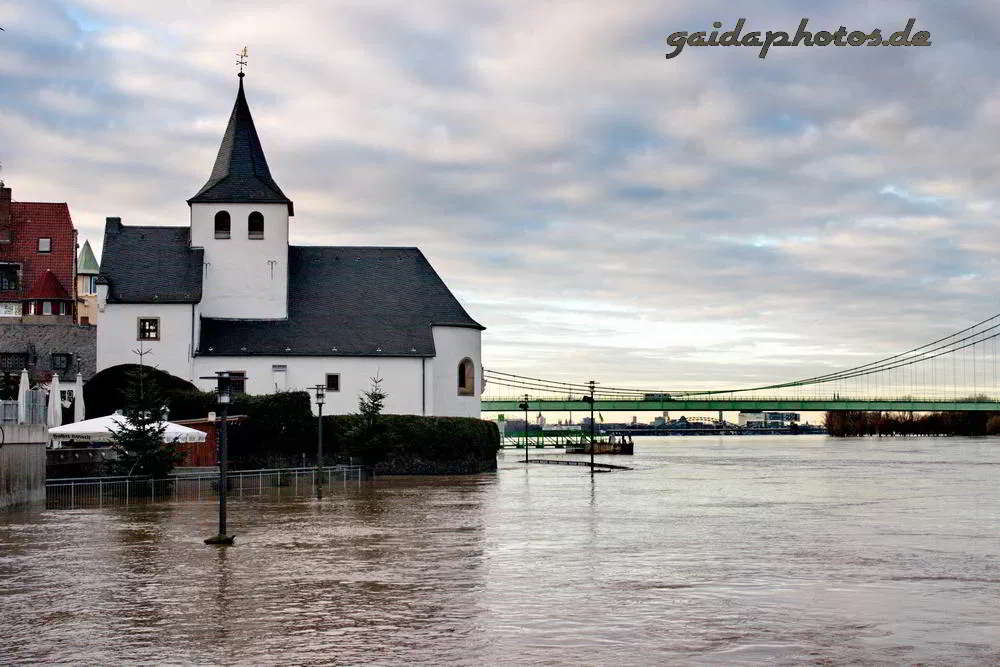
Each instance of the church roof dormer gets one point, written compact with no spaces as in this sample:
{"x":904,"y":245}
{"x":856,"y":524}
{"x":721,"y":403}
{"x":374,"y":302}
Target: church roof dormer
{"x":240,"y":174}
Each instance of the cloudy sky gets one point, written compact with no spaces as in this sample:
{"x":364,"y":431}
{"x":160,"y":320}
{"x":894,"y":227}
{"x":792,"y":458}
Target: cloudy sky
{"x":710,"y":219}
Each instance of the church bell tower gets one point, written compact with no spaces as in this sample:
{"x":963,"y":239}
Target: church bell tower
{"x":240,"y":217}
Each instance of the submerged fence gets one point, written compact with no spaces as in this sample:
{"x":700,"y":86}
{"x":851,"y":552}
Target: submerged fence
{"x":80,"y":492}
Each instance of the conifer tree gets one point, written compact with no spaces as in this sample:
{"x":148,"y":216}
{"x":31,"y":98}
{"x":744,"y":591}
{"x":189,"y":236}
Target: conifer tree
{"x":138,"y":441}
{"x":368,"y":437}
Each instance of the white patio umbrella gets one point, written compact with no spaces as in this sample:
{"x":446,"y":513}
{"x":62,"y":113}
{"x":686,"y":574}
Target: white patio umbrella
{"x":78,"y":407}
{"x":22,"y":398}
{"x":55,"y":403}
{"x":99,"y":429}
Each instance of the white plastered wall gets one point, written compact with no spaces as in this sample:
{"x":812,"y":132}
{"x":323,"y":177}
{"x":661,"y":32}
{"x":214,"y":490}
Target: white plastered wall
{"x":117,"y":337}
{"x":401,"y":378}
{"x":452,"y":344}
{"x":243,"y":277}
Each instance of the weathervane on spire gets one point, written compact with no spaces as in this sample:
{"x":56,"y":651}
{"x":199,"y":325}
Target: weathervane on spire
{"x":241,"y":60}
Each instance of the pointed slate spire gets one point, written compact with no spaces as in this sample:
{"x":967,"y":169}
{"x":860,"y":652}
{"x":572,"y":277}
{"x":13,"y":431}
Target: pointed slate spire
{"x":240,"y":174}
{"x":86,"y":263}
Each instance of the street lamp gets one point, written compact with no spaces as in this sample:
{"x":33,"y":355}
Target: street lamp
{"x":524,"y":406}
{"x":224,"y":395}
{"x":590,"y":399}
{"x":320,"y":391}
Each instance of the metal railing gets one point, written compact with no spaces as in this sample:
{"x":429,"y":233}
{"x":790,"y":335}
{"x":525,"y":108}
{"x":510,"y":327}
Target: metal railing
{"x":81,"y":492}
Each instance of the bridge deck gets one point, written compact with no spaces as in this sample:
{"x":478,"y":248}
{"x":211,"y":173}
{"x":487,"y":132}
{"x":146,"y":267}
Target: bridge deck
{"x":745,"y":404}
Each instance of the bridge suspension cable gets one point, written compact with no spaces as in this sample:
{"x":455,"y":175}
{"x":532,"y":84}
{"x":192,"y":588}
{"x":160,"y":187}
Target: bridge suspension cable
{"x":952,"y":344}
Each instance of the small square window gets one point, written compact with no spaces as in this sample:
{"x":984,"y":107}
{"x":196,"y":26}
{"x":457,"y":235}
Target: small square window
{"x":46,"y":307}
{"x":237,"y":382}
{"x":13,"y":361}
{"x":333,"y":381}
{"x":61,"y":361}
{"x":44,"y":245}
{"x":8,"y":276}
{"x":149,"y":328}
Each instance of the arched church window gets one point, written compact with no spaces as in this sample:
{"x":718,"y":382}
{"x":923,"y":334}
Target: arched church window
{"x":255,"y":225}
{"x":222,"y":225}
{"x":466,"y":377}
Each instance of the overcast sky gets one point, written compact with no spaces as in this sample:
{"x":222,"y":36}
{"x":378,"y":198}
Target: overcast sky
{"x":605,"y":212}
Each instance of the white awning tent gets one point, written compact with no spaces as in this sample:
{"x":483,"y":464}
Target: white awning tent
{"x":100,"y":430}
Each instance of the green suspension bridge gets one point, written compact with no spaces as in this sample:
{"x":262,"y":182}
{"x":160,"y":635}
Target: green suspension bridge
{"x":959,"y":372}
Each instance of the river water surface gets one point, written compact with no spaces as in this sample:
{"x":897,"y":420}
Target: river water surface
{"x":736,"y":550}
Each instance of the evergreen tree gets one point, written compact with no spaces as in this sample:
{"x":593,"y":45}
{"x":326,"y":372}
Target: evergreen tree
{"x":138,"y":441}
{"x":368,"y":437}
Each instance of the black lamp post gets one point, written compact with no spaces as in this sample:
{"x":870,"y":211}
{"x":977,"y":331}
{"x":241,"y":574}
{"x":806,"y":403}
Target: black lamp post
{"x":224,"y":394}
{"x":320,"y":399}
{"x":524,"y":406}
{"x":590,"y":399}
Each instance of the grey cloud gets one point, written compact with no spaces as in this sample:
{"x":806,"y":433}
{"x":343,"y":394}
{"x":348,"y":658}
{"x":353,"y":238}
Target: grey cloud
{"x":544,"y":154}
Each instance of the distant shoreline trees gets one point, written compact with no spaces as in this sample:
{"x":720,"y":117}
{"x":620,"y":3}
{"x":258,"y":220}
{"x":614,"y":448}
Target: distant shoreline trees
{"x":854,"y":423}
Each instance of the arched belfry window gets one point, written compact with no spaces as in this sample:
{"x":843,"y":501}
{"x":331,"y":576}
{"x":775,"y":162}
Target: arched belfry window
{"x":222,"y":225}
{"x":255,"y":225}
{"x":466,"y":377}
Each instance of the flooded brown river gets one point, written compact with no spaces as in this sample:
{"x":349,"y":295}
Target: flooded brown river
{"x":750,"y":550}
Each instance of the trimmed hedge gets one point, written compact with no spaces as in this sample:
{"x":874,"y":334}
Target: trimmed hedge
{"x":438,"y":439}
{"x":281,"y":430}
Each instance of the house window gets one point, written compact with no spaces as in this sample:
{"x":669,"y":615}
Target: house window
{"x":149,"y":328}
{"x":255,"y":226}
{"x":44,"y":244}
{"x":237,"y":382}
{"x":63,"y":308}
{"x":90,"y":284}
{"x":61,"y":361}
{"x":10,"y":309}
{"x":46,"y":307}
{"x":84,"y":319}
{"x":6,"y":235}
{"x":222,"y":225}
{"x":8,"y":277}
{"x":13,"y":362}
{"x":466,"y":377}
{"x":333,"y":381}
{"x":279,"y":375}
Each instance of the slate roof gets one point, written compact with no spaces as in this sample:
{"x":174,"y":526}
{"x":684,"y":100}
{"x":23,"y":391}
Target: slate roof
{"x":86,"y":263}
{"x":48,"y":287}
{"x":347,"y":301}
{"x":150,"y":264}
{"x":240,"y":174}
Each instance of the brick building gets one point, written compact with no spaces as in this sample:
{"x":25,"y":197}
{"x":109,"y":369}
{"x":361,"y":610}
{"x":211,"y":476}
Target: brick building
{"x":37,"y":261}
{"x":38,"y":295}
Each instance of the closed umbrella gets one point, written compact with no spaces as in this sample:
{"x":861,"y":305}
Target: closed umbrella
{"x":78,"y":407}
{"x":22,"y":398}
{"x":55,"y":404}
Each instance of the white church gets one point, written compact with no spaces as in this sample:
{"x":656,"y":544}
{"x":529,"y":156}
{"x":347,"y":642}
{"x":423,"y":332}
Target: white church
{"x":228,"y":293}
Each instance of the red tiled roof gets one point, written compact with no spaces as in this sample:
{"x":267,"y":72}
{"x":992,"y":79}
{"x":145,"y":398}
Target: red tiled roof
{"x":47,"y":288}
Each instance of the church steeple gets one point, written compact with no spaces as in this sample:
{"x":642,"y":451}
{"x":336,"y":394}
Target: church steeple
{"x":240,"y":174}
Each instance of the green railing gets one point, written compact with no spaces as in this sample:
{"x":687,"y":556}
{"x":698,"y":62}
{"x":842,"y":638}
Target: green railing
{"x":512,"y":405}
